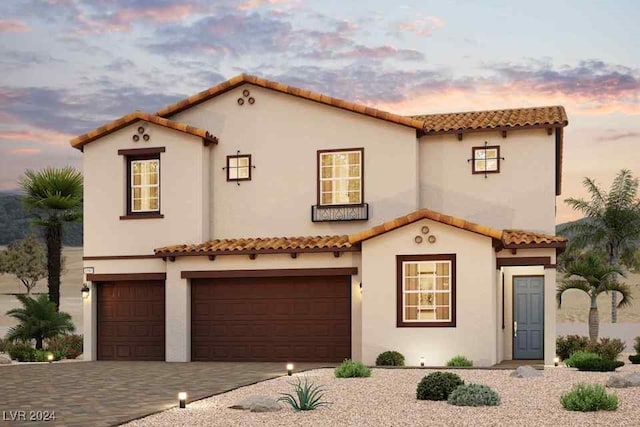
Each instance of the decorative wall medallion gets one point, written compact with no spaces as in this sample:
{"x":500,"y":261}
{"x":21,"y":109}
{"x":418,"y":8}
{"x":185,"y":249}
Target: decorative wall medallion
{"x":418,"y":239}
{"x":240,"y":101}
{"x":252,"y":100}
{"x":425,"y":230}
{"x":145,"y":137}
{"x":136,"y":138}
{"x":141,"y":131}
{"x":246,"y":94}
{"x":432,"y":239}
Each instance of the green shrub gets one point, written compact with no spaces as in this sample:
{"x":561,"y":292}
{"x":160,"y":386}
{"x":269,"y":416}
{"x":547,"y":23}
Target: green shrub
{"x":438,"y":386}
{"x":474,"y":395}
{"x":2,"y":346}
{"x":598,"y":365}
{"x":635,"y":359}
{"x":307,"y":396}
{"x":580,"y":356}
{"x":22,"y":352}
{"x":607,"y":348}
{"x":565,"y":346}
{"x":459,"y":361}
{"x":636,"y":346}
{"x":586,"y":398}
{"x":352,"y":369}
{"x":69,"y":345}
{"x":390,"y":358}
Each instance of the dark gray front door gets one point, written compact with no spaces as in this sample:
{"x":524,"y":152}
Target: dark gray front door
{"x":528,"y":316}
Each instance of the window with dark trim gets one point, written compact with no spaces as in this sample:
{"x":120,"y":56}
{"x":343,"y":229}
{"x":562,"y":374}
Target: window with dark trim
{"x":143,"y":183}
{"x":426,"y":290}
{"x":239,"y":167}
{"x":486,"y":159}
{"x":340,"y":177}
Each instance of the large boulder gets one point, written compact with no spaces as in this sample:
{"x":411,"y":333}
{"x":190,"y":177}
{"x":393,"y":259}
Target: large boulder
{"x":624,"y":380}
{"x":4,"y":359}
{"x":257,"y":404}
{"x":526,"y":371}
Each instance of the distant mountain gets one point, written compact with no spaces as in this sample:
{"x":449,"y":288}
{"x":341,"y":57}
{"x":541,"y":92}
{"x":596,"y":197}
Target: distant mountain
{"x":15,"y":222}
{"x":559,"y":227}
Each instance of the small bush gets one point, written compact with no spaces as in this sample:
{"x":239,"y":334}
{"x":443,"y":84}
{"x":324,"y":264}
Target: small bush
{"x":459,"y":361}
{"x":565,"y":346}
{"x":579,"y":357}
{"x":474,"y":395}
{"x":352,"y":369}
{"x":438,"y":386}
{"x":598,"y":365}
{"x":69,"y":345}
{"x":22,"y":352}
{"x":587,"y":398}
{"x":635,"y":359}
{"x":607,"y":348}
{"x":2,"y":346}
{"x":636,"y":346}
{"x":307,"y":396}
{"x":390,"y":358}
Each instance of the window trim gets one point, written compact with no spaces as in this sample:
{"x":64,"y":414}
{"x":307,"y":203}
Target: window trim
{"x":473,"y":159}
{"x":130,"y":214}
{"x":400,"y":322}
{"x":228,"y":168}
{"x":318,"y":181}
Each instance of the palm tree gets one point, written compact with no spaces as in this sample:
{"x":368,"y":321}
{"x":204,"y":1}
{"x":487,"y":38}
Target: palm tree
{"x":38,"y":319}
{"x":54,"y":196}
{"x":612,"y":222}
{"x":591,"y":274}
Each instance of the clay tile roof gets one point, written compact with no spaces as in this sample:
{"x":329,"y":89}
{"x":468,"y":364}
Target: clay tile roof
{"x":279,"y":87}
{"x":524,"y":239}
{"x":261,"y":245}
{"x":424,"y":214}
{"x":516,"y":118}
{"x":82,"y":140}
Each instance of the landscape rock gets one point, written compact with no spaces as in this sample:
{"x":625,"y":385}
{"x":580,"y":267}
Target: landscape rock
{"x":257,"y":404}
{"x":526,"y":371}
{"x":5,"y":359}
{"x":624,"y":380}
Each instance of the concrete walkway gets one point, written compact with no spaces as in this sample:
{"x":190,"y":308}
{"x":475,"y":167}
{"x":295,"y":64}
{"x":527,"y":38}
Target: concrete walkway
{"x":111,"y":393}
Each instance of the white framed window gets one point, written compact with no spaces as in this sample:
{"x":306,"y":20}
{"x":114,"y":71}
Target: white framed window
{"x":239,"y":167}
{"x":145,"y":185}
{"x":486,"y":159}
{"x":340,"y":177}
{"x":426,"y":290}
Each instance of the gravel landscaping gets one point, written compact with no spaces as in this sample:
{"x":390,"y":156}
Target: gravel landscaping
{"x":388,"y":398}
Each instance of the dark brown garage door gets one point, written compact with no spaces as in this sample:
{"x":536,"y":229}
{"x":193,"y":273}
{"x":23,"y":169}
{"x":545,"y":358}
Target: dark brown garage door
{"x":271,"y":319}
{"x":131,"y":320}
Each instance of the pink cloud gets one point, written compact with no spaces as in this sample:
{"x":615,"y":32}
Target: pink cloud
{"x":25,"y":151}
{"x":123,"y":19}
{"x":380,"y":52}
{"x":45,"y":136}
{"x":13,"y":26}
{"x":424,"y":26}
{"x":253,"y":4}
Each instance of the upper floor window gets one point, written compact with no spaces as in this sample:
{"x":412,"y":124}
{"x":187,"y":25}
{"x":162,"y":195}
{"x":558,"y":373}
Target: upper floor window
{"x":239,"y":167}
{"x":340,"y":177}
{"x":426,"y":290}
{"x":145,"y":185}
{"x":486,"y":159}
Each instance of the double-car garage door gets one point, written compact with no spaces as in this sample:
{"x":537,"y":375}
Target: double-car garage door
{"x":232,"y":319}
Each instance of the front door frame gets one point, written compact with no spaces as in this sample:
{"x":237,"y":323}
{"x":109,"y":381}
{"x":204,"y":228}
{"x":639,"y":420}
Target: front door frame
{"x":513,"y":311}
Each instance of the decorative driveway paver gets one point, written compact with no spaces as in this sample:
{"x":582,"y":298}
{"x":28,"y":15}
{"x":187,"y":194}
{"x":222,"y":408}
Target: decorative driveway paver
{"x":111,"y":393}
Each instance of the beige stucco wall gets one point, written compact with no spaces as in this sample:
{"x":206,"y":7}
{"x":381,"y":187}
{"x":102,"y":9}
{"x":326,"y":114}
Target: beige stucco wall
{"x":183,"y":203}
{"x":475,"y":333}
{"x":283,"y":133}
{"x":521,"y":196}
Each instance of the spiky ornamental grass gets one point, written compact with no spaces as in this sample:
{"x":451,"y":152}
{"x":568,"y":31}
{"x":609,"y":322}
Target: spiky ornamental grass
{"x":307,"y":397}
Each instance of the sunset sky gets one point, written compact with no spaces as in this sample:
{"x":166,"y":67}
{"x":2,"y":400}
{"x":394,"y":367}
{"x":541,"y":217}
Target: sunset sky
{"x":67,"y":66}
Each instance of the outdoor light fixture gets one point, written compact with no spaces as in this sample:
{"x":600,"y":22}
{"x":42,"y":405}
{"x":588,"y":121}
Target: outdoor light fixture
{"x":182,"y":398}
{"x":289,"y":369}
{"x":556,"y":360}
{"x":50,"y":357}
{"x":85,"y":291}
{"x":422,"y":361}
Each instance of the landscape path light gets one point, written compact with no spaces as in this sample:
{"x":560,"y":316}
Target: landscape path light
{"x":182,"y":398}
{"x":289,"y":369}
{"x":556,"y":361}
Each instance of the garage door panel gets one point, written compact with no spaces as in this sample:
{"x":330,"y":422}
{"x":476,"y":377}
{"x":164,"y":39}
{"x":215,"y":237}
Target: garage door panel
{"x":272,"y":319}
{"x":131,"y":320}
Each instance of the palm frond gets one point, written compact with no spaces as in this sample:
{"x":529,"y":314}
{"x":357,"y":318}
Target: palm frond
{"x":623,"y":289}
{"x":624,"y":190}
{"x":568,"y":284}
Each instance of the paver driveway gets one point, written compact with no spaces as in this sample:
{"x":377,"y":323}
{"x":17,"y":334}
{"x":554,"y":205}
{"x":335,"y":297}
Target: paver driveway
{"x":110,"y":393}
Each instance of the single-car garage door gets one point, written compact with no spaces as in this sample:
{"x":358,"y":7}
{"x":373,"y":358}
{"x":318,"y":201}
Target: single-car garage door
{"x":271,"y":319}
{"x":131,"y":320}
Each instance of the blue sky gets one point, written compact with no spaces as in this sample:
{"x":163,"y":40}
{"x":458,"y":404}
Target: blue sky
{"x":67,"y":66}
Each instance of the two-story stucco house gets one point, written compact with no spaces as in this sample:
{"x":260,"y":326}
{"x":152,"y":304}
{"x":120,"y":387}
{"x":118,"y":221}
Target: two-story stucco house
{"x":255,"y":221}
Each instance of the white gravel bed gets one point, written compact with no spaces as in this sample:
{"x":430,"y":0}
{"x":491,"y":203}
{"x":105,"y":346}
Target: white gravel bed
{"x":388,"y":398}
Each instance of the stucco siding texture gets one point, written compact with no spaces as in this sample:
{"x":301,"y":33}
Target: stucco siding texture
{"x":475,"y":332}
{"x":283,"y":133}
